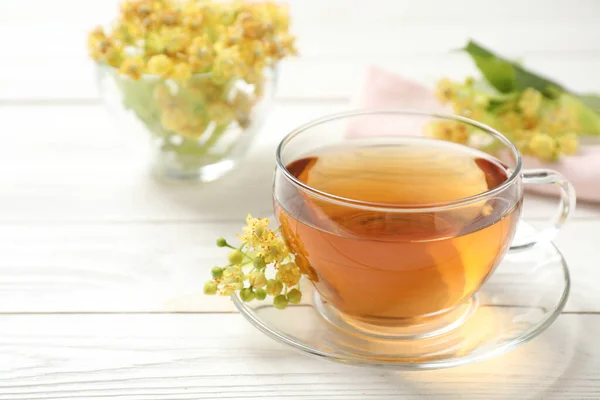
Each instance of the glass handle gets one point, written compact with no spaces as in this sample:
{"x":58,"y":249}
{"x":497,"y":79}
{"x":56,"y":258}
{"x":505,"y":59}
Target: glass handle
{"x":565,"y":209}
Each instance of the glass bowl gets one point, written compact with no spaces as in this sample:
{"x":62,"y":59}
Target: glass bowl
{"x":195,"y":131}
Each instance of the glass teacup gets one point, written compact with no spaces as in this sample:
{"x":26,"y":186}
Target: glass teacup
{"x":395,"y":229}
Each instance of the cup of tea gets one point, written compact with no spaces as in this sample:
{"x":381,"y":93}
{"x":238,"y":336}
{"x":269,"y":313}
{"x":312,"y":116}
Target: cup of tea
{"x":394,"y":228}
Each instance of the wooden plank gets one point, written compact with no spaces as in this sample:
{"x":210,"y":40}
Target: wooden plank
{"x":342,"y":27}
{"x":339,"y":36}
{"x":315,"y":11}
{"x":159,"y":267}
{"x":191,"y":357}
{"x":73,"y":79}
{"x":111,"y":267}
{"x":70,"y":163}
{"x":58,"y":168}
{"x":343,"y":78}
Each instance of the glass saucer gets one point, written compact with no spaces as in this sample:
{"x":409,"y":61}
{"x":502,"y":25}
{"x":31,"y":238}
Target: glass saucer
{"x":524,"y":295}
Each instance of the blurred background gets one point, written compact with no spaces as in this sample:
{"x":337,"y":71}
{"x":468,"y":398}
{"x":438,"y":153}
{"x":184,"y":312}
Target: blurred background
{"x":46,"y":57}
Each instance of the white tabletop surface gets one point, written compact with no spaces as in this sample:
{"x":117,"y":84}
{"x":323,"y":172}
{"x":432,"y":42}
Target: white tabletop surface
{"x":98,"y":297}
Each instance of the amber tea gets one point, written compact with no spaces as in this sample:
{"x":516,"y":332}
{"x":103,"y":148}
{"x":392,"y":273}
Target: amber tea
{"x":389,"y":248}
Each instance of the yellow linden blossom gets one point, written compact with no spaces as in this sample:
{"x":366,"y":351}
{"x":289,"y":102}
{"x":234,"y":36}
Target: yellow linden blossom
{"x":226,"y":65}
{"x":193,"y":19}
{"x":177,"y":43}
{"x":132,"y":67}
{"x":201,"y":55}
{"x":279,"y":14}
{"x":273,"y":249}
{"x":560,"y":120}
{"x":233,"y":35}
{"x":220,"y":112}
{"x":467,"y":107}
{"x":233,"y":273}
{"x":251,"y":26}
{"x":113,"y":56}
{"x":446,"y":91}
{"x":160,"y":65}
{"x":209,"y":48}
{"x":543,"y":146}
{"x":450,"y":130}
{"x":154,"y":43}
{"x":230,"y":288}
{"x":289,"y":274}
{"x":97,"y":33}
{"x":205,"y":89}
{"x":181,"y":72}
{"x":201,"y":46}
{"x":172,"y":118}
{"x":252,"y":53}
{"x":540,"y":126}
{"x":568,"y":143}
{"x":98,"y":43}
{"x":282,"y":47}
{"x":246,"y":274}
{"x":257,"y":279}
{"x":126,"y":32}
{"x":511,"y":121}
{"x":268,"y":245}
{"x":255,"y":231}
{"x":196,"y":31}
{"x":530,"y":102}
{"x":193,"y":126}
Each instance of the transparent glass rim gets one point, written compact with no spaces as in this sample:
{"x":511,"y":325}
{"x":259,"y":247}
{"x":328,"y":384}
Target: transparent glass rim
{"x":383,"y":207}
{"x":114,"y":70}
{"x":204,"y":75}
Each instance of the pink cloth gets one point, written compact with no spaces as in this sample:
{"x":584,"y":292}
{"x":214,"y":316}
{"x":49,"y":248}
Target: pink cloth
{"x":384,"y":90}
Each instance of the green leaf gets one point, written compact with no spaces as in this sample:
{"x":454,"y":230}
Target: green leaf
{"x":591,"y":100}
{"x":499,"y":73}
{"x":496,"y":100}
{"x":589,"y":121}
{"x":507,"y":75}
{"x":527,"y":79}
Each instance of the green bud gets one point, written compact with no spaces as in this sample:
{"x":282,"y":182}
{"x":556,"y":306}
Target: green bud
{"x":221,"y":242}
{"x":260,"y":294}
{"x":247,"y":294}
{"x":274,"y":287}
{"x":259,"y":263}
{"x":294,"y":296}
{"x":217,"y":272}
{"x":235,"y":257}
{"x":280,"y":302}
{"x":210,"y":288}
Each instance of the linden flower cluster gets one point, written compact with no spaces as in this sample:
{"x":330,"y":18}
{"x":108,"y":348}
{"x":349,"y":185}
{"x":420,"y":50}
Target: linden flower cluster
{"x":538,"y":126}
{"x":174,"y":39}
{"x":194,"y":66}
{"x":262,"y":252}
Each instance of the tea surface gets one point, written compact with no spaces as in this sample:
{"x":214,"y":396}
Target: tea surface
{"x":375,"y":264}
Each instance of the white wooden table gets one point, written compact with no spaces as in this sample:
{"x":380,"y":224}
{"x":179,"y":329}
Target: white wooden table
{"x":101,"y":269}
